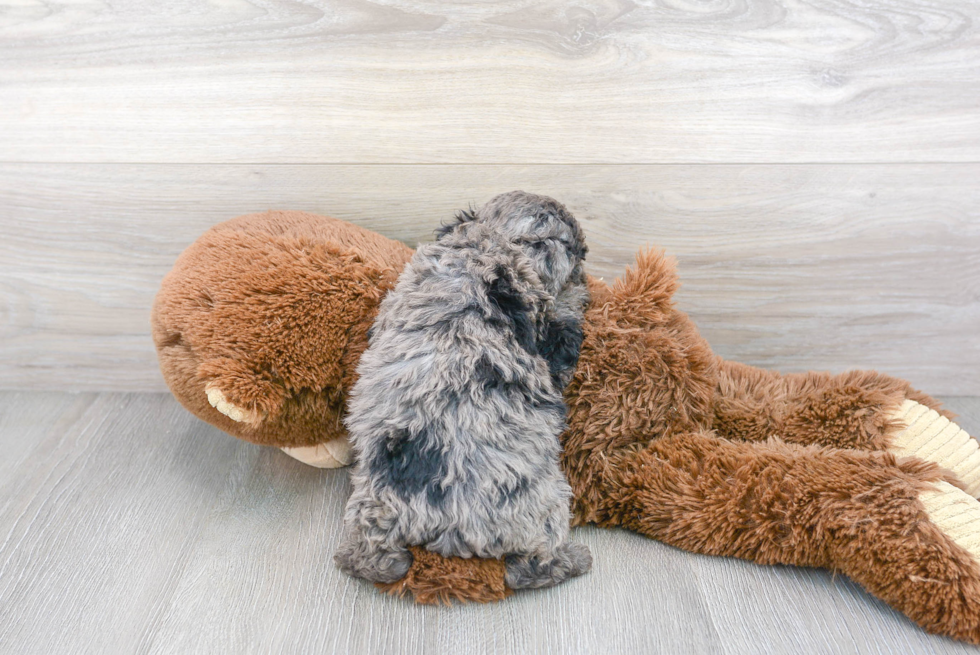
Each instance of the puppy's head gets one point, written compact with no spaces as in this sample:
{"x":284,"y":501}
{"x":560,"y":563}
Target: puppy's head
{"x":542,"y":227}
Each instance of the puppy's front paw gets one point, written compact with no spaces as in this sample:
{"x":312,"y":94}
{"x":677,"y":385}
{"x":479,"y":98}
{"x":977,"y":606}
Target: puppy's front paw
{"x":239,"y":414}
{"x":530,"y":572}
{"x":579,"y":558}
{"x":377,"y":565}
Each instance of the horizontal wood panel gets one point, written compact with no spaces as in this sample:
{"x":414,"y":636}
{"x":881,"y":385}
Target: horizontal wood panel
{"x":788,"y":267}
{"x":520,"y":81}
{"x":131,"y":527}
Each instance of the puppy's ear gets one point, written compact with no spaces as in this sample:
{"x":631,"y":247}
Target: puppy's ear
{"x":560,"y":345}
{"x":462,"y":216}
{"x":561,"y":341}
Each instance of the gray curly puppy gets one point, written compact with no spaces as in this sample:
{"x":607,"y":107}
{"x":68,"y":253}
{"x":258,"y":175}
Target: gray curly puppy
{"x":457,"y":411}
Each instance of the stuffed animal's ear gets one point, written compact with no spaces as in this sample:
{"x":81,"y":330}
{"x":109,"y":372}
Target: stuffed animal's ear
{"x":462,"y":216}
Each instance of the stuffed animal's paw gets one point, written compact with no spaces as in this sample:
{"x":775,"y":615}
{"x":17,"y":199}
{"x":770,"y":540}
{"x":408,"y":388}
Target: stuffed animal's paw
{"x":239,"y":414}
{"x":956,"y":513}
{"x":328,"y":455}
{"x":928,"y":569}
{"x":927,"y":435}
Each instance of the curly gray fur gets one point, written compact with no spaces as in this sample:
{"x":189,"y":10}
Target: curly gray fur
{"x":457,"y":411}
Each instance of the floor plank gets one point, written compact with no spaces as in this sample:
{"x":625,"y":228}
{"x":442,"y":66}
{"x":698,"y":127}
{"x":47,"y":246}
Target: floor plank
{"x":129,"y":526}
{"x":788,"y":267}
{"x":410,"y":81}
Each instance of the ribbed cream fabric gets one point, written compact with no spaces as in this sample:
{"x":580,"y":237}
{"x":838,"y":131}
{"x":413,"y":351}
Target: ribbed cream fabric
{"x":956,"y":513}
{"x":329,"y":455}
{"x":932,"y":437}
{"x":217,"y":399}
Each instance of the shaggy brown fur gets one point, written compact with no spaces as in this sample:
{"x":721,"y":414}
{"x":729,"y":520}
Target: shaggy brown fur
{"x":273,"y":308}
{"x":664,"y":438}
{"x":856,"y":512}
{"x":845,"y":410}
{"x":437,"y":580}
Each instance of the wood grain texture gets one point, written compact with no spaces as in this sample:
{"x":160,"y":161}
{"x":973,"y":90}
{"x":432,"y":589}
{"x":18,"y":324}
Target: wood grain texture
{"x":787,"y":267}
{"x":520,"y":81}
{"x":129,"y":526}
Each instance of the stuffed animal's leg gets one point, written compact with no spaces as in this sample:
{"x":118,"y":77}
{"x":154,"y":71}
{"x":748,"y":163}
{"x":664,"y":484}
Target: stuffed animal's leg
{"x":533,"y":571}
{"x":860,"y":409}
{"x":895,"y":527}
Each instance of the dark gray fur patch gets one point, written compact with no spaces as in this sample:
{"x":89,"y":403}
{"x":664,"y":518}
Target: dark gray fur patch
{"x":514,"y":310}
{"x":491,"y":377}
{"x":510,"y":493}
{"x":410,"y":464}
{"x":560,"y":346}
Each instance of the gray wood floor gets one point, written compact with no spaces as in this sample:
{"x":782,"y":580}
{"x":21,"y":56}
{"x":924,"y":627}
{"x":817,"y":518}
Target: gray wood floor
{"x":126,"y":525}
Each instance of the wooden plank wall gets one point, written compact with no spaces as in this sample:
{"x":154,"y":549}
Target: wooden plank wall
{"x":815,"y":167}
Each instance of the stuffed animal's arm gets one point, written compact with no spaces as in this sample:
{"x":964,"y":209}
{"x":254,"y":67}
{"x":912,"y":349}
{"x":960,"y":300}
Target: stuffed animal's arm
{"x":895,"y":527}
{"x":860,"y":409}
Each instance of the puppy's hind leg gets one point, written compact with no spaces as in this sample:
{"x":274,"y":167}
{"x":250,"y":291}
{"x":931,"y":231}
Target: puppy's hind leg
{"x":371,"y":559}
{"x":532,"y":571}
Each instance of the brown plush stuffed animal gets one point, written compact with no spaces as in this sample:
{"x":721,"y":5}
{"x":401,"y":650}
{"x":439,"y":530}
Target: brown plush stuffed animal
{"x":260,"y":325}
